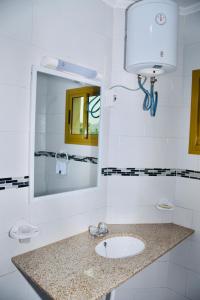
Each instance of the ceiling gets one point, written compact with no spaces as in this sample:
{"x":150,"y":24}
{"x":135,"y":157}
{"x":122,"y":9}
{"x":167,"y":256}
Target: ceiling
{"x":186,"y":6}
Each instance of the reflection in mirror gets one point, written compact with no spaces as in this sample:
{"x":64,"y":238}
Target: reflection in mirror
{"x":77,"y":115}
{"x":82,"y":116}
{"x":66,"y":135}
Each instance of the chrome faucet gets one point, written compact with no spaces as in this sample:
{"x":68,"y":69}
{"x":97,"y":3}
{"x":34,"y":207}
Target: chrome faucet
{"x":100,"y":230}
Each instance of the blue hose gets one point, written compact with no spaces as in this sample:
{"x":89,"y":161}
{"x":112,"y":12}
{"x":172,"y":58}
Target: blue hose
{"x":94,"y":102}
{"x":151,"y":98}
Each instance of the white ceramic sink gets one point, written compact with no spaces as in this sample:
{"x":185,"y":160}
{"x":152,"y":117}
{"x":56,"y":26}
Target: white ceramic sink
{"x":120,"y":247}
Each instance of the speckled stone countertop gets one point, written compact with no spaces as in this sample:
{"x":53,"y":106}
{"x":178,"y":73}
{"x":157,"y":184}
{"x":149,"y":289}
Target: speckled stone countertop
{"x":71,"y":270}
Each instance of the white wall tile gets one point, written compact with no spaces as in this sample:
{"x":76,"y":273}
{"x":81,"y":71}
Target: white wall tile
{"x":145,"y":152}
{"x":45,"y":35}
{"x":75,"y":10}
{"x":186,"y":160}
{"x":9,"y":248}
{"x":184,"y":122}
{"x":183,"y":217}
{"x":55,"y":123}
{"x":165,"y":257}
{"x":157,"y":294}
{"x":187,"y":193}
{"x":40,"y":141}
{"x":125,"y":294}
{"x":180,"y":254}
{"x":191,"y":61}
{"x":165,"y":124}
{"x":169,"y":89}
{"x":193,"y":287}
{"x":171,"y":295}
{"x":196,"y":226}
{"x":14,"y":207}
{"x":155,"y":275}
{"x":14,"y":102}
{"x":177,"y":277}
{"x":127,"y":117}
{"x":15,"y":60}
{"x":13,"y":154}
{"x":187,"y":84}
{"x":118,"y":23}
{"x":191,"y":34}
{"x":194,"y":256}
{"x":14,"y":286}
{"x":149,"y":293}
{"x":137,"y":214}
{"x":40,"y":123}
{"x":16,"y":19}
{"x":113,"y":151}
{"x":134,"y":190}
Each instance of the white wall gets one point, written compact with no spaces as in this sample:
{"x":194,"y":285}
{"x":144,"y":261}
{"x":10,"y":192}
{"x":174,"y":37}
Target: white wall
{"x":137,"y":140}
{"x":184,"y":268}
{"x":30,"y":29}
{"x":140,"y":141}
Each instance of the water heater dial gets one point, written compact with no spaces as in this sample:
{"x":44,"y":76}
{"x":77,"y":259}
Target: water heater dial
{"x":161,"y":19}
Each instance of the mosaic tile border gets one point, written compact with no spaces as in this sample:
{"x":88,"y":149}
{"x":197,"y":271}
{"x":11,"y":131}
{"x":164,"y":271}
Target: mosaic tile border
{"x":14,"y":182}
{"x":151,"y":172}
{"x":22,"y":182}
{"x":86,"y":159}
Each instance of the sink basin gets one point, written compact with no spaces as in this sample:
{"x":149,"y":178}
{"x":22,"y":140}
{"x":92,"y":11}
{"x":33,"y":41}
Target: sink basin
{"x":120,"y":247}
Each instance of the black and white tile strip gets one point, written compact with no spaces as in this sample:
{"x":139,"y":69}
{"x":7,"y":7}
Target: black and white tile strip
{"x":78,"y":158}
{"x":151,"y":172}
{"x":14,"y":182}
{"x":21,"y":182}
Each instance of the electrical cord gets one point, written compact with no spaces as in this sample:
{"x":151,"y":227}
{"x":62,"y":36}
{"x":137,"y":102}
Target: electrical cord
{"x":126,"y":88}
{"x":150,"y":99}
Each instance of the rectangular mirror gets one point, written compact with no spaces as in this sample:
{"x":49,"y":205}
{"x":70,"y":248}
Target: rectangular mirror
{"x":66,"y":130}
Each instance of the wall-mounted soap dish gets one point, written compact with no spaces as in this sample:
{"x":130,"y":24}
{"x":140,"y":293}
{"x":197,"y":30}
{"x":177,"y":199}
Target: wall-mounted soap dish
{"x":165,"y":205}
{"x":23,"y":231}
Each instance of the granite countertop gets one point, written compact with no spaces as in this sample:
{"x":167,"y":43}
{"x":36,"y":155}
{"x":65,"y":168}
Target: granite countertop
{"x":71,"y":270}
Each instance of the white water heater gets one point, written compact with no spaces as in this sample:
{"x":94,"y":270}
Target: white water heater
{"x":151,"y":37}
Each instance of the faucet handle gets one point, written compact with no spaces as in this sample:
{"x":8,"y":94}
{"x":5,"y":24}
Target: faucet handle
{"x":93,"y":230}
{"x":103,"y":228}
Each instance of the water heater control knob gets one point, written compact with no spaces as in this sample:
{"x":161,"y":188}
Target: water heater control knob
{"x":161,"y":19}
